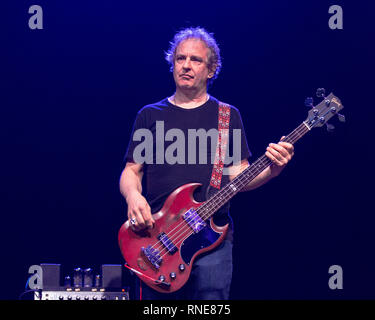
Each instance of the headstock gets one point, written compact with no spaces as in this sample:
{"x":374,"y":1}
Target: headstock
{"x":325,"y":110}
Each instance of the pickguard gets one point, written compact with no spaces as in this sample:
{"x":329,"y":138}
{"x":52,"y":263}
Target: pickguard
{"x":197,"y":241}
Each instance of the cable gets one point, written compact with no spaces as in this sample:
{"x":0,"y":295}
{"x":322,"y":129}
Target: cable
{"x":30,"y":290}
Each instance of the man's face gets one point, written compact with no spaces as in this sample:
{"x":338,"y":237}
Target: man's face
{"x":190,"y":65}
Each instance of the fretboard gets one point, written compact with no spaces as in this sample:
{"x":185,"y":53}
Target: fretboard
{"x":245,"y":177}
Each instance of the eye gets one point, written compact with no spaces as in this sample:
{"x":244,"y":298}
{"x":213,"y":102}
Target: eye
{"x":196,"y":59}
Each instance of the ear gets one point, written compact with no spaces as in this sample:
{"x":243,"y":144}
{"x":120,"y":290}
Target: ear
{"x":212,"y":71}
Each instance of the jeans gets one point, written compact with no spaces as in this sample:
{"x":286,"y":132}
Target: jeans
{"x":210,"y":278}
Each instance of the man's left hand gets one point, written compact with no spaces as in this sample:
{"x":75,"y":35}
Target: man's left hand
{"x":280,"y":154}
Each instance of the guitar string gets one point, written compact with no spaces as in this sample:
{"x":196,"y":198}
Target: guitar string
{"x":184,"y":234}
{"x":241,"y":182}
{"x":225,"y":192}
{"x":213,"y":203}
{"x":203,"y":206}
{"x":187,"y":232}
{"x":216,"y":202}
{"x":298,"y":133}
{"x":295,"y":134}
{"x":255,"y":167}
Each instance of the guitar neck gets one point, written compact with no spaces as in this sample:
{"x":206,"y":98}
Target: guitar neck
{"x":245,"y":177}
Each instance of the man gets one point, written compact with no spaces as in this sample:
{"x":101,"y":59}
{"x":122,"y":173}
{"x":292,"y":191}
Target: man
{"x":195,"y":61}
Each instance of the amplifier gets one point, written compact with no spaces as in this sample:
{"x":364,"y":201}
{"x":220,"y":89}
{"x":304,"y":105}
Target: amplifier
{"x":80,"y":295}
{"x":82,"y":284}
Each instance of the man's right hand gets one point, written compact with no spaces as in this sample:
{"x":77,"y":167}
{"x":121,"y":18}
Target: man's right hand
{"x":139,"y":211}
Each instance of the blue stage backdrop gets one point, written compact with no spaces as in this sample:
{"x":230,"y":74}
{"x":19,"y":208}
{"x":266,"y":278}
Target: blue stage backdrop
{"x":70,"y":93}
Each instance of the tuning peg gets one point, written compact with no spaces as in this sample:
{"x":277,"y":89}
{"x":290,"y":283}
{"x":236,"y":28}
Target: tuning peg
{"x":320,"y":92}
{"x":330,"y":127}
{"x":309,"y":102}
{"x":341,"y":117}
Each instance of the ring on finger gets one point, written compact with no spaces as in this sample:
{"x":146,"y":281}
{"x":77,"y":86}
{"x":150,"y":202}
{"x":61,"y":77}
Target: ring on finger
{"x":133,"y":221}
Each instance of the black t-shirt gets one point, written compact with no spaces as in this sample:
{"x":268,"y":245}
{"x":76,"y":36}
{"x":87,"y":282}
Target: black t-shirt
{"x":166,"y":169}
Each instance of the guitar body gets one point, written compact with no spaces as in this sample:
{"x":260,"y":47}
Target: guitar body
{"x":162,"y":257}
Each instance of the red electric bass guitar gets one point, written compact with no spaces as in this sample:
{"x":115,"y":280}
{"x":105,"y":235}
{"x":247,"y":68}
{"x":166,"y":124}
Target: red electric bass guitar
{"x":162,"y":257}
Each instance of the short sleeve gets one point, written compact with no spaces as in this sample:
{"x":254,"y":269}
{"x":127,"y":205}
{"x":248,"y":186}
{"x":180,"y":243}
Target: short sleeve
{"x":139,"y":123}
{"x":237,"y":149}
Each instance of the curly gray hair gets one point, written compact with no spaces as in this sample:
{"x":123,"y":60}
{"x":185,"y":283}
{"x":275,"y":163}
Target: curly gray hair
{"x":214,"y":59}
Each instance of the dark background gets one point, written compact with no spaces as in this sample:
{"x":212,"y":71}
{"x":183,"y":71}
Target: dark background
{"x":69,"y":96}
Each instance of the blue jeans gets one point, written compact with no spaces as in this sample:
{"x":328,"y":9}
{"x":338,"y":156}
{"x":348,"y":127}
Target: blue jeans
{"x":210,"y":278}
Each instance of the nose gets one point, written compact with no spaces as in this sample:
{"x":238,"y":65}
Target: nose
{"x":187,"y":65}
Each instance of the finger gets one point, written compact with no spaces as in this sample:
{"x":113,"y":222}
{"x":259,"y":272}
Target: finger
{"x":147,"y":217}
{"x":132,"y":222}
{"x":288,"y":146}
{"x":149,"y":210}
{"x":139,"y":221}
{"x":279,"y":148}
{"x":278,"y":153}
{"x":273,"y":158}
{"x":130,"y":218}
{"x":285,"y":149}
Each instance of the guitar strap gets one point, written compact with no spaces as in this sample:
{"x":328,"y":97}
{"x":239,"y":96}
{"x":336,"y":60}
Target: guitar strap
{"x":221,"y":147}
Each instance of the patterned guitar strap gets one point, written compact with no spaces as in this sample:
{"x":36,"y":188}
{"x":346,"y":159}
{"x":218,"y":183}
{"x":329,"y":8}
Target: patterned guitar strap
{"x":221,"y":147}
